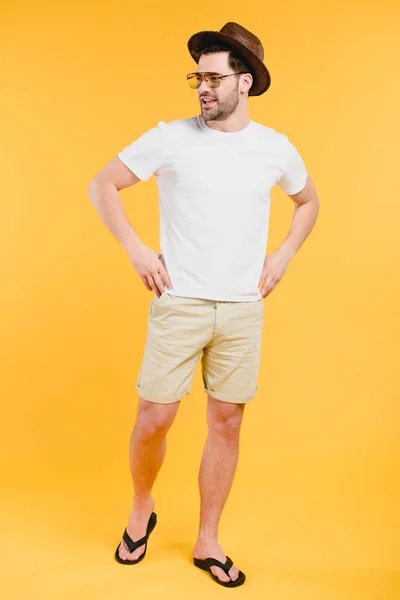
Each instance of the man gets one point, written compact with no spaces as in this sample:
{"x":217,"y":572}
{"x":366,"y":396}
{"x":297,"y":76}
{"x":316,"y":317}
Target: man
{"x":214,"y":174}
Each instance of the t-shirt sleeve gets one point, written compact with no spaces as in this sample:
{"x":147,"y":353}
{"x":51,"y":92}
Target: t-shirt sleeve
{"x":295,"y":174}
{"x":145,"y":155}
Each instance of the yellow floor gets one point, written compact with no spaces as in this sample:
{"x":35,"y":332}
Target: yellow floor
{"x":58,"y":543}
{"x":313,"y":512}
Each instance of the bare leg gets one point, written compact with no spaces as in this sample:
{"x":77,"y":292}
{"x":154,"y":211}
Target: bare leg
{"x":216,"y":475}
{"x":147,"y":452}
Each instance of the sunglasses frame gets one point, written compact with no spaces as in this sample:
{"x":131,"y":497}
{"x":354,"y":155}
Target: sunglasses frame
{"x":210,"y":73}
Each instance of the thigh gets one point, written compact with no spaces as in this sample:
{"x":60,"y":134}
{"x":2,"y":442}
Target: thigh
{"x":178,"y":330}
{"x":231,"y":360}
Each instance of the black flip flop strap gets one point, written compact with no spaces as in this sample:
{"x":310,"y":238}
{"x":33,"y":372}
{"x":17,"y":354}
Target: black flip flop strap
{"x":213,"y":562}
{"x":132,"y":546}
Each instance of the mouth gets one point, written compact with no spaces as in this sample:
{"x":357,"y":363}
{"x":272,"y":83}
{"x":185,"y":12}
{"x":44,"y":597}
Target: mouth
{"x":208,"y":103}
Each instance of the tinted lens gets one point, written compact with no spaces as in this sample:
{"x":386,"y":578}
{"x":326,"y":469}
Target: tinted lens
{"x":194,"y":81}
{"x":213,"y":81}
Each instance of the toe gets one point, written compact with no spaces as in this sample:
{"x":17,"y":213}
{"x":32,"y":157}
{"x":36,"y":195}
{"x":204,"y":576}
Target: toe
{"x":124,"y":553}
{"x":222,"y":576}
{"x":234,"y":573}
{"x":136,"y":554}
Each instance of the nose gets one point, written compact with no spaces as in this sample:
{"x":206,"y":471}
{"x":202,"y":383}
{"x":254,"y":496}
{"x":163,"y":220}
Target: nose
{"x":199,"y":89}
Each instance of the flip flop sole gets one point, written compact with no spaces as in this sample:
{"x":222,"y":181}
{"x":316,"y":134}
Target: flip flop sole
{"x":129,"y":562}
{"x":201,"y":564}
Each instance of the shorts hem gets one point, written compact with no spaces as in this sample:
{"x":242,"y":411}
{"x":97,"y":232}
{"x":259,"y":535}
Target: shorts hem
{"x":159,"y":398}
{"x":231,"y":399}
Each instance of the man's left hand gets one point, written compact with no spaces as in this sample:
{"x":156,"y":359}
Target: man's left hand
{"x":274,"y":268}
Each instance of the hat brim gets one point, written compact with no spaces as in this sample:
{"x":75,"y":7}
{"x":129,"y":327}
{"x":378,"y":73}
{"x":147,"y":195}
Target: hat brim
{"x":261,"y":75}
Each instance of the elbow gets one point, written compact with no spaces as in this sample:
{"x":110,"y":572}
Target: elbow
{"x":95,"y":185}
{"x":91,"y":186}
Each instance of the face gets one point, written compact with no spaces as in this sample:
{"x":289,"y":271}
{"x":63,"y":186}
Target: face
{"x":226,"y":97}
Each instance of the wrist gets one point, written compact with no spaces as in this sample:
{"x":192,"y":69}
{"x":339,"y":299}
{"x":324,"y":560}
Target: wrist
{"x":131,"y":242}
{"x":288,"y":250}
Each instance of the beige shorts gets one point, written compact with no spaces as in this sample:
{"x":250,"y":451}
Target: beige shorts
{"x":226,"y":335}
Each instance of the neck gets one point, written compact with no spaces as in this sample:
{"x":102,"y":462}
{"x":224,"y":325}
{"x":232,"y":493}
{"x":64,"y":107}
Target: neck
{"x":235,"y":122}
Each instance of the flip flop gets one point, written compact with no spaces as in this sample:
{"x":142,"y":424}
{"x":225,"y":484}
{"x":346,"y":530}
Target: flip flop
{"x":132,"y":546}
{"x":207,"y":563}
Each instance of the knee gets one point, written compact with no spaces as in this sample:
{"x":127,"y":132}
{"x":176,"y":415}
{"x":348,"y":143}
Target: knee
{"x":154,"y":420}
{"x":227,"y":424}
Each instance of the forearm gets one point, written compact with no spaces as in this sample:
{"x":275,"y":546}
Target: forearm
{"x":106,"y":201}
{"x":303,"y":221}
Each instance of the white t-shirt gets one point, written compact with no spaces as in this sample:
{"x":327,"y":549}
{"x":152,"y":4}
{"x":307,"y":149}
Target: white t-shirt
{"x":214,"y":197}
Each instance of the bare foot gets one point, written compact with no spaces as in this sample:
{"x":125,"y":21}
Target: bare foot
{"x":210,"y":548}
{"x":137,"y":527}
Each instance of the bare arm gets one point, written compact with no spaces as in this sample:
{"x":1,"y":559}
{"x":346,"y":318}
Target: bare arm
{"x":304,"y":218}
{"x":103,"y":194}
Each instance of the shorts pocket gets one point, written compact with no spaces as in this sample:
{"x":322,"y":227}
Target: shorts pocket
{"x":259,"y":309}
{"x":156,"y":304}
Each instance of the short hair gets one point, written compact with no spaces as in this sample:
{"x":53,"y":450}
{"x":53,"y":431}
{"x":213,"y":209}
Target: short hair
{"x":236,"y":62}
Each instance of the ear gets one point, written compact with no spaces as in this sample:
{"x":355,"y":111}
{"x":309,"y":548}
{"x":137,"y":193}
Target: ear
{"x":247,"y":82}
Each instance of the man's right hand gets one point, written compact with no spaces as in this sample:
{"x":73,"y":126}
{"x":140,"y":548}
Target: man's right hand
{"x":151,"y":269}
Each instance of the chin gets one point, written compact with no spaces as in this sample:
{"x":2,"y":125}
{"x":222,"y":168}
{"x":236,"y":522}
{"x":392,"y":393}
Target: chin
{"x":207,"y":116}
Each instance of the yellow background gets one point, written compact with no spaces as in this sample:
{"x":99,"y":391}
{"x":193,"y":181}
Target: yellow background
{"x":313,"y":513}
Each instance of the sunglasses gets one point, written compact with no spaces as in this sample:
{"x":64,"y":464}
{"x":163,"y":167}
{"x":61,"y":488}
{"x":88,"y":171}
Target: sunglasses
{"x":213,"y":80}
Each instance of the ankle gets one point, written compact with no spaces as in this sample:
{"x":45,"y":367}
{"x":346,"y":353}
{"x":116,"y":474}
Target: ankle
{"x":143,"y":503}
{"x":207,"y":535}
